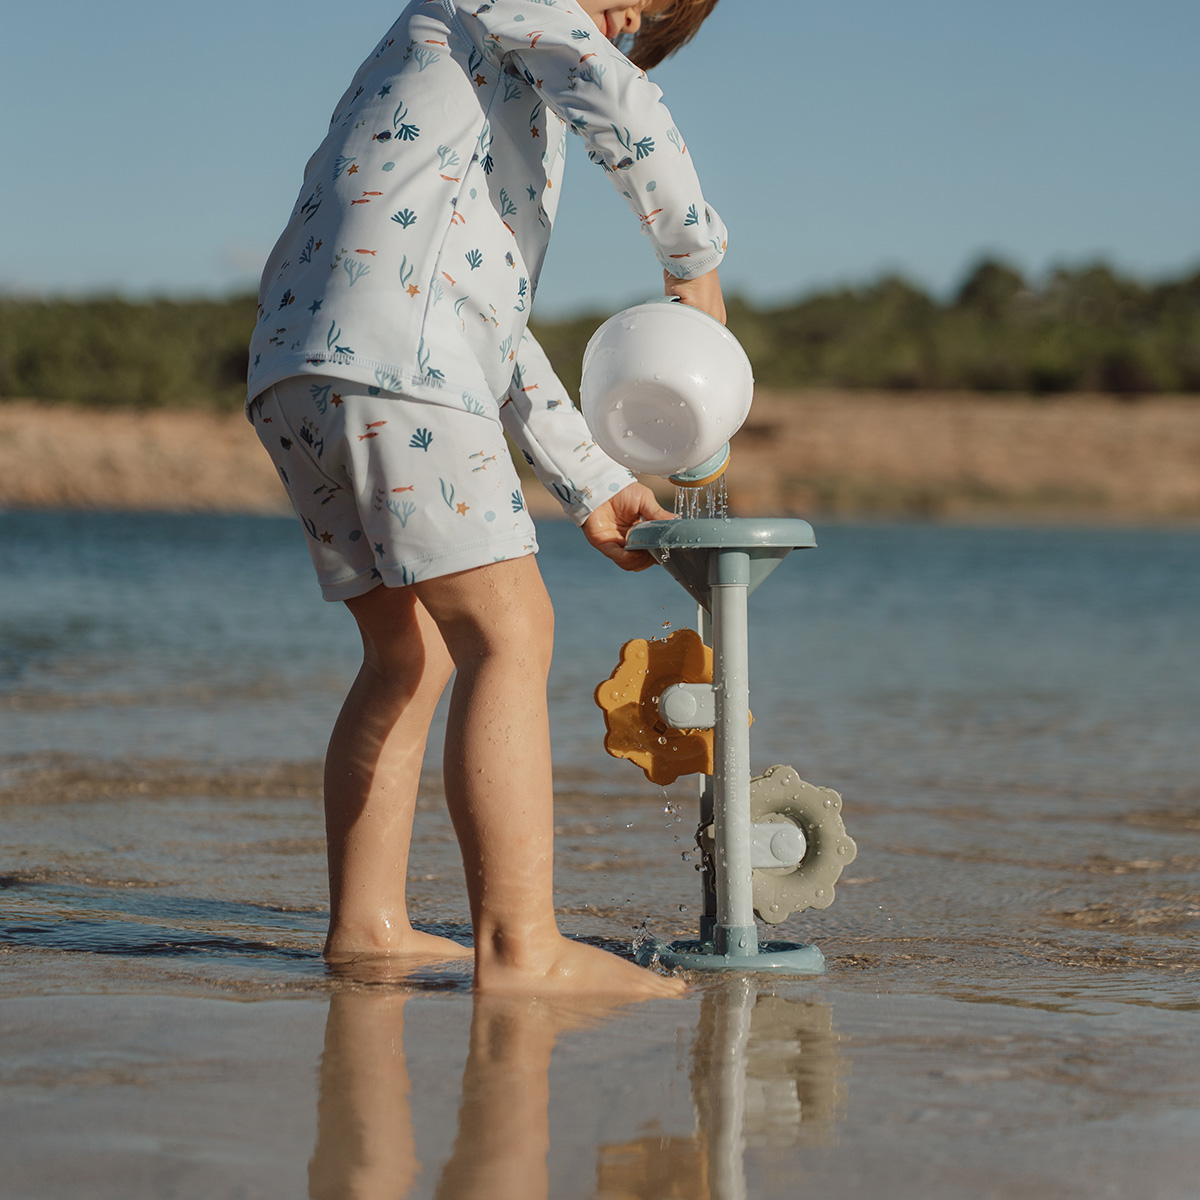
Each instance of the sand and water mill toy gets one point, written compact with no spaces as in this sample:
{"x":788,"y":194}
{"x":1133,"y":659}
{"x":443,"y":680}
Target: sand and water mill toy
{"x":664,"y":388}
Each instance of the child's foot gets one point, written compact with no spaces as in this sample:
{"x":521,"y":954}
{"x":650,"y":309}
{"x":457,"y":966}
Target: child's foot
{"x":564,"y":968}
{"x":411,"y":945}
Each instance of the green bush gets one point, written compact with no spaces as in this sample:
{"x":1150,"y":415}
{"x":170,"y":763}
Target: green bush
{"x":1081,"y":330}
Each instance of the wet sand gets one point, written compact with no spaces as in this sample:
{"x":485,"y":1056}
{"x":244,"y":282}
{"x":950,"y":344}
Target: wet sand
{"x":1002,"y":1016}
{"x":964,"y":457}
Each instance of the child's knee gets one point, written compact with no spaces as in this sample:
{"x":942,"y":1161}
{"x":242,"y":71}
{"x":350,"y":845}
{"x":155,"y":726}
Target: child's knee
{"x":401,"y":642}
{"x":500,"y":611}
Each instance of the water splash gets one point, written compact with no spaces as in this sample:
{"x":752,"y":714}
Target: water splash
{"x":712,"y":501}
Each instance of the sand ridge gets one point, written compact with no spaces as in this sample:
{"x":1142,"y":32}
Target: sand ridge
{"x":813,"y":452}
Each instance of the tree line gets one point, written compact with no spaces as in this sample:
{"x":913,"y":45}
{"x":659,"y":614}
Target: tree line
{"x":1085,"y":329}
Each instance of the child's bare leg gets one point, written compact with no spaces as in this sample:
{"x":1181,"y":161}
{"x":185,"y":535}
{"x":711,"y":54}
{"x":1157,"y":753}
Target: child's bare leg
{"x":498,"y":625}
{"x":372,"y":769}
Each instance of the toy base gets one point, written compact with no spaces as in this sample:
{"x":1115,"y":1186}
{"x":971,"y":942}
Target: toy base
{"x":773,"y":958}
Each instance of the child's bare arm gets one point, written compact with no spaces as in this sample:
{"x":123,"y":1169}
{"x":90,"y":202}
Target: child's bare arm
{"x":703,"y":292}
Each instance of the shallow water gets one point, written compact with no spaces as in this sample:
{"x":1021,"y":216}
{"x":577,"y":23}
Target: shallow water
{"x":1012,"y":1004}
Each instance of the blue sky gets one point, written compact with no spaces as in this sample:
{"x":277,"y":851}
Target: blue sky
{"x":158,"y":147}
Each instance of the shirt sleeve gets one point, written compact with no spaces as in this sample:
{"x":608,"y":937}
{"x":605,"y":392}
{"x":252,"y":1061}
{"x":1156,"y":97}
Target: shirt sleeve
{"x":551,"y":434}
{"x":619,"y":113}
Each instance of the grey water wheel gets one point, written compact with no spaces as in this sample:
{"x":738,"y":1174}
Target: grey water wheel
{"x":779,"y":794}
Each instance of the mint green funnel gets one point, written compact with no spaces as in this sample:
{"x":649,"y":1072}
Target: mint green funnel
{"x":689,"y":549}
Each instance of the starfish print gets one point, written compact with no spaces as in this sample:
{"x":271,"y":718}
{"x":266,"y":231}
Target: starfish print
{"x":461,"y":508}
{"x":337,"y":400}
{"x":532,"y":192}
{"x":327,"y":538}
{"x":353,"y":170}
{"x":413,"y":290}
{"x":534,"y":132}
{"x":383,"y":91}
{"x":315,"y":306}
{"x":480,"y":80}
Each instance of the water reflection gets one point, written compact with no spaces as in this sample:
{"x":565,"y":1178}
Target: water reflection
{"x":764,"y":1071}
{"x":365,"y":1148}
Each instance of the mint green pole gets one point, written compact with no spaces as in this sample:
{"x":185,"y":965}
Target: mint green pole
{"x":736,"y":933}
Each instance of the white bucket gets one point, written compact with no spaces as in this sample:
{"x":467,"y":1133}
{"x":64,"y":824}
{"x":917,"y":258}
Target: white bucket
{"x":664,"y":388}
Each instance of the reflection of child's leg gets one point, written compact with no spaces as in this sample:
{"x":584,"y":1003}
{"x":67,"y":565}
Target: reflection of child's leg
{"x":498,"y":626}
{"x":365,"y":1145}
{"x":504,"y":1116}
{"x":372,"y":770}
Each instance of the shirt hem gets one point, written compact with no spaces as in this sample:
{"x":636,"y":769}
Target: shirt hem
{"x":387,"y":378}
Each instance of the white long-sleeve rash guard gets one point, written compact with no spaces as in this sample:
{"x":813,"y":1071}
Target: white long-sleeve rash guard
{"x":411,"y":257}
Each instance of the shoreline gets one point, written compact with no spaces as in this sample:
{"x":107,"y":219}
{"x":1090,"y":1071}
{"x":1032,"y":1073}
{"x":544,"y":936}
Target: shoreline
{"x":826,"y":453}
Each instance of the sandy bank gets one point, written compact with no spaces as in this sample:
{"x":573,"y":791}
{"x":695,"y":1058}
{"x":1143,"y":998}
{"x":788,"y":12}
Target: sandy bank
{"x":969,"y":457}
{"x":814,"y":452}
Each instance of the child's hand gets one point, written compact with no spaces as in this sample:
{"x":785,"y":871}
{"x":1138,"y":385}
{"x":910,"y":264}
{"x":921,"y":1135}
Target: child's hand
{"x":607,"y":526}
{"x":703,"y":292}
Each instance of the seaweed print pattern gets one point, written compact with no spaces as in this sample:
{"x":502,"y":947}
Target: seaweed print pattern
{"x":425,"y":58}
{"x":356,"y":268}
{"x":401,"y":510}
{"x":319,"y":392}
{"x":485,"y":144}
{"x":423,"y":363}
{"x":405,"y":131}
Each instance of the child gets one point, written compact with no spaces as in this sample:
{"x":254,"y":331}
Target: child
{"x":389,"y":357}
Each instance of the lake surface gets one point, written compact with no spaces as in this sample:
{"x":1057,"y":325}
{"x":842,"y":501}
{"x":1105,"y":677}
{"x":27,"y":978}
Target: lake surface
{"x":1013,"y":1001}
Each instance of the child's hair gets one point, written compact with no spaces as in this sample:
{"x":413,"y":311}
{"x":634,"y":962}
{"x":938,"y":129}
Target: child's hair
{"x":663,"y":33}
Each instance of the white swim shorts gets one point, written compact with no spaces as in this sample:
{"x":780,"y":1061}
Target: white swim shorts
{"x":389,"y":489}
